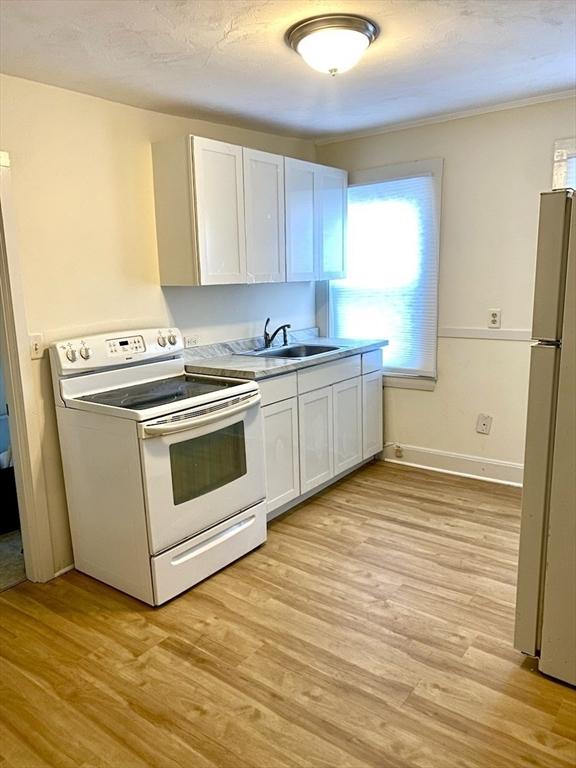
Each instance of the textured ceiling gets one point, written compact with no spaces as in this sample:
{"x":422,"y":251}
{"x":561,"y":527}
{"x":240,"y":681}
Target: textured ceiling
{"x":227,"y":58}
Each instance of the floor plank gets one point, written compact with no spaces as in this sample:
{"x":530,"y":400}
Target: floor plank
{"x":373,"y":629}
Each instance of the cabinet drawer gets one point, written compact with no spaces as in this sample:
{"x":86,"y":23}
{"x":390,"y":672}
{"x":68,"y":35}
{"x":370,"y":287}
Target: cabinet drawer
{"x":192,"y":561}
{"x":328,"y":373}
{"x":278,"y":388}
{"x":372,"y":361}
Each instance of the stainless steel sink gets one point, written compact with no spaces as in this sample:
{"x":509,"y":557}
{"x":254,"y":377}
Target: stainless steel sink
{"x":294,"y":350}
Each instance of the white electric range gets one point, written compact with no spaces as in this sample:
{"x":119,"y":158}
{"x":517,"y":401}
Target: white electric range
{"x":164,"y":471}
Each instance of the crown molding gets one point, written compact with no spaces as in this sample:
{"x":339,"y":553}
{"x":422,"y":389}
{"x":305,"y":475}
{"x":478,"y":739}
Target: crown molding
{"x":447,"y":117}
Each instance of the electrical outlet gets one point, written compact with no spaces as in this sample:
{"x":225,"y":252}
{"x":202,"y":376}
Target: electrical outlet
{"x":191,"y":341}
{"x":483,"y":424}
{"x":36,"y":346}
{"x":494,"y":318}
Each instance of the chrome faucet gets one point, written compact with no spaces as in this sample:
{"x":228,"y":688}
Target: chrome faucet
{"x":269,"y":338}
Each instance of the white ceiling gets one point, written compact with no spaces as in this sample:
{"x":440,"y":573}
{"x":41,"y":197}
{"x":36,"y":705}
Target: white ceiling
{"x":226,"y":59}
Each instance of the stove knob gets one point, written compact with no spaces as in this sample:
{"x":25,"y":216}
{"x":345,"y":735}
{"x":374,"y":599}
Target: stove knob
{"x":85,"y":353}
{"x":71,"y":355}
{"x":172,"y":339}
{"x":162,"y":341}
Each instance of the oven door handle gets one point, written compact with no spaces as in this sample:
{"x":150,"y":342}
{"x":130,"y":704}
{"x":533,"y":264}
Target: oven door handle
{"x":158,"y":430}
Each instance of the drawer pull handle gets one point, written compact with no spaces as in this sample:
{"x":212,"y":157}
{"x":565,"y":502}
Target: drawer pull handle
{"x":213,"y":541}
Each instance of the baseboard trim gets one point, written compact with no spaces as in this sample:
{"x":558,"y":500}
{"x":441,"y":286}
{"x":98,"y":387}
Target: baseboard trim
{"x":62,"y":571}
{"x":305,"y":496}
{"x":477,"y":467}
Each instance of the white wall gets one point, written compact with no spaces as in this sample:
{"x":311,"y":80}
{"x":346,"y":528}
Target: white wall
{"x":495,"y":166}
{"x":83,"y":197}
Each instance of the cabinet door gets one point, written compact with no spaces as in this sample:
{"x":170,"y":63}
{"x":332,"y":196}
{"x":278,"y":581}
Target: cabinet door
{"x":264,"y":201}
{"x":372,"y":414}
{"x":316,"y":438}
{"x":300,"y":238}
{"x":281,"y":452}
{"x":347,"y":404}
{"x":219,"y":189}
{"x":330,"y":192}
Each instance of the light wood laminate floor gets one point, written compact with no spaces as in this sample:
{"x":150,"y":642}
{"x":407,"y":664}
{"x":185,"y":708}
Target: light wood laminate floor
{"x":373,"y":629}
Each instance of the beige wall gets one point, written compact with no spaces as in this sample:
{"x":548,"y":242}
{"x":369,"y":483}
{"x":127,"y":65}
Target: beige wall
{"x":495,"y":166}
{"x":83,"y":199}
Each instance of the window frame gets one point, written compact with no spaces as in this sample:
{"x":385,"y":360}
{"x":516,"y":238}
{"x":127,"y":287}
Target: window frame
{"x":563,"y":150}
{"x":433,"y":167}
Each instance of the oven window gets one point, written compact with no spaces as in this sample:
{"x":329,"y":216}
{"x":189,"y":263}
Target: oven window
{"x":202,"y":464}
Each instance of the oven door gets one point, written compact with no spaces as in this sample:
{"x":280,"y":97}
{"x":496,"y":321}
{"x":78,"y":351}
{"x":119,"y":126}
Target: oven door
{"x":201,"y":467}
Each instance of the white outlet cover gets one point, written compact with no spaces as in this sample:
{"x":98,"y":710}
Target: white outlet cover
{"x":483,"y":424}
{"x":494,"y":318}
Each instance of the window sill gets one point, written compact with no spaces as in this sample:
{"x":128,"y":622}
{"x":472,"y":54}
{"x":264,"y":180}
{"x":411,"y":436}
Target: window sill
{"x":409,"y":382}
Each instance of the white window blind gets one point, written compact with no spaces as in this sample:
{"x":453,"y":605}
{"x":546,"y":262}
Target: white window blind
{"x":564,"y":164}
{"x":391,"y":287}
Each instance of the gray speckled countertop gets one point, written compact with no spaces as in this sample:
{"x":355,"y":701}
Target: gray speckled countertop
{"x":216,"y":360}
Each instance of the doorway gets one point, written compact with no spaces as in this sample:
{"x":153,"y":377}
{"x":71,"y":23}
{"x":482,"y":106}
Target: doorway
{"x":12,"y":568}
{"x":24,"y":457}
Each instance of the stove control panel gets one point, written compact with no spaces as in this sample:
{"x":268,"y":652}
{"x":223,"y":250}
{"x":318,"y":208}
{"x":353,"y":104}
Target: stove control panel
{"x":131,"y":345}
{"x":90,"y":353}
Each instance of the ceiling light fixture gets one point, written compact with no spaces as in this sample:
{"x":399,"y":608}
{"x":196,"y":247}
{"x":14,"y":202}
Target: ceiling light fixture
{"x":332,"y":43}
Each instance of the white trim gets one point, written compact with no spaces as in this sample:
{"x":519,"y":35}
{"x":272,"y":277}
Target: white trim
{"x":446,"y":117}
{"x":25,"y":417}
{"x":424,"y":383}
{"x":433,"y":166}
{"x":478,"y":467}
{"x":305,"y":496}
{"x":62,"y":571}
{"x":496,"y":334}
{"x":322,"y":304}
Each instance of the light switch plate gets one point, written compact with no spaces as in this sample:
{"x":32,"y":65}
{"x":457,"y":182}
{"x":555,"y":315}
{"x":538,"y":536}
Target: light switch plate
{"x":36,"y":346}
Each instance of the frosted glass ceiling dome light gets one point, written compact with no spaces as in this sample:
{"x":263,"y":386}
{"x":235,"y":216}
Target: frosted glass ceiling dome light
{"x":332,"y":43}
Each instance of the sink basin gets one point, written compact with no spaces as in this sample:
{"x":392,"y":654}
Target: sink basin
{"x":296,"y":350}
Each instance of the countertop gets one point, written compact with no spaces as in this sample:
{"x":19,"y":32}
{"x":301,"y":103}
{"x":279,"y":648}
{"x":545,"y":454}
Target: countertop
{"x":252,"y":367}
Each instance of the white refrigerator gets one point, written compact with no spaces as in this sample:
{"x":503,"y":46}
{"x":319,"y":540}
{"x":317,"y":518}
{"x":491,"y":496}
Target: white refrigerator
{"x":546,"y":597}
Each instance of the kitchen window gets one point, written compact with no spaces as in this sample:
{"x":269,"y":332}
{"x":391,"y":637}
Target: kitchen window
{"x":391,"y":287}
{"x":564,"y":164}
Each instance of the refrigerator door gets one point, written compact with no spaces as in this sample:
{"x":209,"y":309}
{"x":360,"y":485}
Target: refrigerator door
{"x":538,"y":458}
{"x":553,"y":235}
{"x":558,"y":651}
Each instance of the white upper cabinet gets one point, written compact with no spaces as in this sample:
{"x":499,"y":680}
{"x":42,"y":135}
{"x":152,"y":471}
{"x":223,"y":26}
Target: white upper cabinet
{"x":300,"y":235}
{"x":264,"y":204}
{"x":229,"y":214}
{"x":330,"y":197}
{"x":218,"y":175}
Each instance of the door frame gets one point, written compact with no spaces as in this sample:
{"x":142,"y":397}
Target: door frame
{"x":24,"y":417}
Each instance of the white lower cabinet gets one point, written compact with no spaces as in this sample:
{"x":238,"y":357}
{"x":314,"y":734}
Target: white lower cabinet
{"x":372,"y":417}
{"x":316,"y":438}
{"x":347,"y":414}
{"x":281,"y":450}
{"x":331,"y":426}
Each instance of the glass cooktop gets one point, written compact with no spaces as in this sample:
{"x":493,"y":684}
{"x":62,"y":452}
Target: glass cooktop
{"x":153,"y":393}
